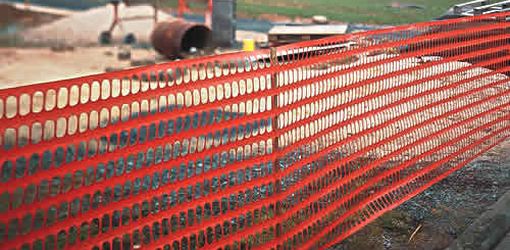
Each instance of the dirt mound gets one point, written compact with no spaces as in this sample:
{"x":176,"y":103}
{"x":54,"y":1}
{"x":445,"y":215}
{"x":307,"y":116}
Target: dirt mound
{"x":84,"y":28}
{"x":11,"y":15}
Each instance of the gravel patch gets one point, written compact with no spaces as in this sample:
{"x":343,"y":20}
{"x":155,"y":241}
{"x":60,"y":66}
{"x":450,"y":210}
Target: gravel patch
{"x":443,"y":211}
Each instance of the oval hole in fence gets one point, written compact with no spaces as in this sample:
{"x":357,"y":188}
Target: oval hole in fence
{"x":256,"y":106}
{"x":95,"y":91}
{"x":105,"y":89}
{"x":217,"y":69}
{"x":171,"y":101}
{"x":125,"y":112}
{"x":144,"y":78}
{"x":153,"y":107}
{"x":212,"y":93}
{"x":235,"y":109}
{"x":170,"y":77}
{"x":256,"y":84}
{"x":1,"y":108}
{"x":23,"y":135}
{"x":178,"y":76}
{"x":74,"y":95}
{"x":115,"y":88}
{"x":263,"y":105}
{"x":237,"y":65}
{"x":232,"y":66}
{"x":186,"y":75}
{"x":242,"y":87}
{"x":210,"y":70}
{"x":51,"y":100}
{"x":72,"y":125}
{"x":62,"y":98}
{"x":249,"y":86}
{"x":61,"y":127}
{"x":247,"y":64}
{"x":249,"y":107}
{"x":258,"y":62}
{"x":153,"y":79}
{"x":36,"y":133}
{"x":104,"y":118}
{"x":235,"y":89}
{"x":262,"y":83}
{"x":162,"y":104}
{"x":135,"y":84}
{"x":85,"y":93}
{"x":135,"y":109}
{"x":11,"y":107}
{"x":162,"y":79}
{"x":9,"y":138}
{"x":227,"y":90}
{"x":188,"y":98}
{"x":126,"y":86}
{"x":219,"y":92}
{"x":24,"y":106}
{"x":49,"y":130}
{"x":225,"y":68}
{"x":93,"y":120}
{"x":242,"y":108}
{"x":83,"y":122}
{"x":144,"y":107}
{"x":196,"y":97}
{"x":194,"y":73}
{"x":202,"y":72}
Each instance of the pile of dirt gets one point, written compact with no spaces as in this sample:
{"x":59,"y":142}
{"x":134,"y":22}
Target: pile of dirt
{"x":84,"y":28}
{"x":11,"y":15}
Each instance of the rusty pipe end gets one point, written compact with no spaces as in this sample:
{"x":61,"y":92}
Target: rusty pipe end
{"x":176,"y":38}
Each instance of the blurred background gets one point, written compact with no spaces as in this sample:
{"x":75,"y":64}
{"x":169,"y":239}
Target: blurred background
{"x":47,"y":40}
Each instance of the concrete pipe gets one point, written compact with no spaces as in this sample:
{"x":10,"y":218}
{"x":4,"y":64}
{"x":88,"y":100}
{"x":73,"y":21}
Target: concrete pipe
{"x":178,"y":38}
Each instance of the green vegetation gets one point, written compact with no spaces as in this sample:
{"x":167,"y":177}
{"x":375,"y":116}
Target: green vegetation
{"x":355,"y":11}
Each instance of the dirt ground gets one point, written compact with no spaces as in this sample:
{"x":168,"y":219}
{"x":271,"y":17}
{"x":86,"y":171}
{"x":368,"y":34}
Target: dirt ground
{"x":443,"y":212}
{"x":24,"y":18}
{"x":35,"y":65}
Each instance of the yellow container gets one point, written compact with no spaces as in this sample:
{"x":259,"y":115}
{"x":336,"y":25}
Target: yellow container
{"x":248,"y":45}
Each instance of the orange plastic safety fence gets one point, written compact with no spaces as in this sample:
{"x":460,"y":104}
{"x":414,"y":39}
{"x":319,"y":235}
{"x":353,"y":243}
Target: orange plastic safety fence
{"x":294,"y":147}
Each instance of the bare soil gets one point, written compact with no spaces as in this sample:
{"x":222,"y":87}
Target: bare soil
{"x":442,"y":212}
{"x":35,"y":65}
{"x":23,"y":18}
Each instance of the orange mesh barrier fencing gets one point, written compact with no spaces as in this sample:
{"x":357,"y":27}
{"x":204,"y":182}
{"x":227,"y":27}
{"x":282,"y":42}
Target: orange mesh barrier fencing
{"x":291,"y":147}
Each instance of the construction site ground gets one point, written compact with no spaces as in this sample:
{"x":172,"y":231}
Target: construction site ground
{"x":22,"y":66}
{"x":436,"y":218}
{"x":504,"y":243}
{"x":490,"y":231}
